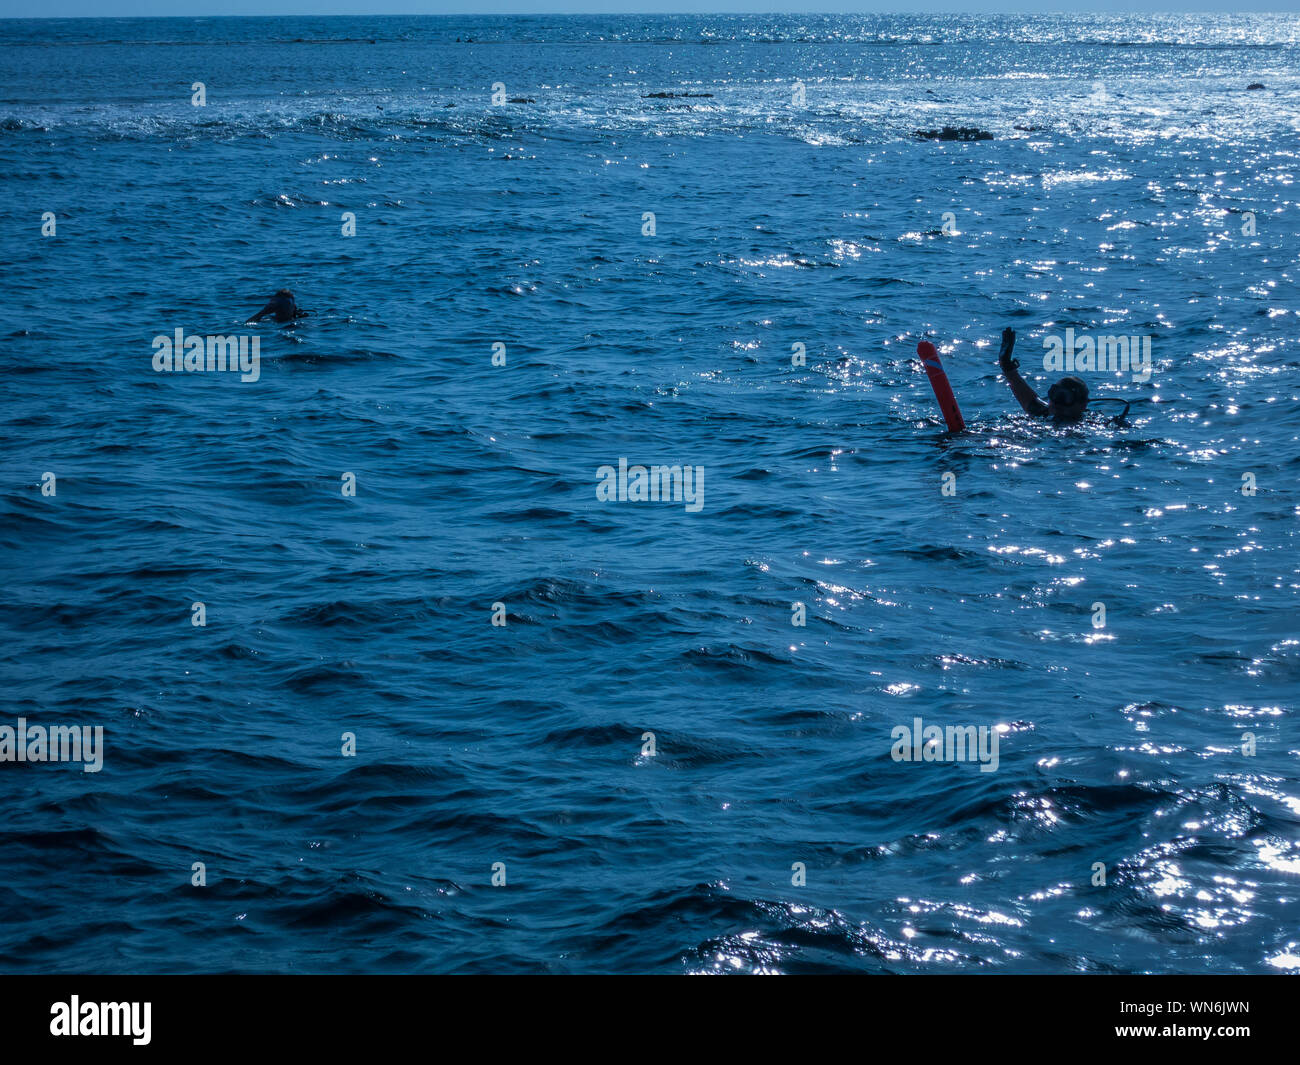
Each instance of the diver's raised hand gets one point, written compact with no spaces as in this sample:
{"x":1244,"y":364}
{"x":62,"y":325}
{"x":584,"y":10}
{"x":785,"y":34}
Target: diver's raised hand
{"x":1008,"y":345}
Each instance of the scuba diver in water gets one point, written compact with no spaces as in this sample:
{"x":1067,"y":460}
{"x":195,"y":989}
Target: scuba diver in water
{"x":1067,"y":400}
{"x":281,"y":307}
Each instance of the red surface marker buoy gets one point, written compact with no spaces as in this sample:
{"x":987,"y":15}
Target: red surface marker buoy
{"x":942,"y":389}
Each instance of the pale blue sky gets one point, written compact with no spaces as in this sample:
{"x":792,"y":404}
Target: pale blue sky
{"x":103,"y":8}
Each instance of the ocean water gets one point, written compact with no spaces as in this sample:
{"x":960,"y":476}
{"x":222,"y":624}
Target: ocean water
{"x":1132,"y":186}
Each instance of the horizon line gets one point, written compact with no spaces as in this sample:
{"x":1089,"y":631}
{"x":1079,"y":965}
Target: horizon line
{"x":636,"y":14}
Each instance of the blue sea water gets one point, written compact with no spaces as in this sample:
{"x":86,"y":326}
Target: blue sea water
{"x":1127,"y":164}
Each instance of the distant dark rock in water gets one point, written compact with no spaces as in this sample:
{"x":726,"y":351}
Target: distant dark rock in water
{"x":954,"y":133}
{"x":676,"y":95}
{"x":1254,"y":85}
{"x":522,"y":100}
{"x":1031,"y":129}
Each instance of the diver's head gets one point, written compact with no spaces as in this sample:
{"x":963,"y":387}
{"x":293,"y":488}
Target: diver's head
{"x":284,"y":294}
{"x":1067,"y":399}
